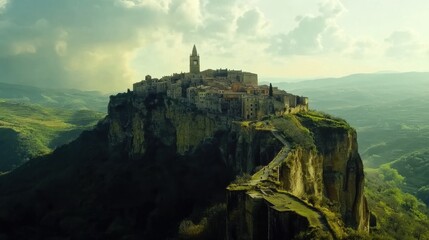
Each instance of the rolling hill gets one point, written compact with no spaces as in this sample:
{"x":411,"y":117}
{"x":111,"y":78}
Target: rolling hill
{"x":34,"y":121}
{"x":54,"y":98}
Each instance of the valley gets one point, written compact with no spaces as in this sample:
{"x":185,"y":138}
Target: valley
{"x":35,"y":121}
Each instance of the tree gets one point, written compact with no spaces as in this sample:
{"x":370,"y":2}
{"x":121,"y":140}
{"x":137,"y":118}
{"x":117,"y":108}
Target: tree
{"x":270,"y":93}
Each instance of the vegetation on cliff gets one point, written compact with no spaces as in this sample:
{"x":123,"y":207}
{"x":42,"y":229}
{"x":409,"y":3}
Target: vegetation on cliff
{"x":316,"y":179}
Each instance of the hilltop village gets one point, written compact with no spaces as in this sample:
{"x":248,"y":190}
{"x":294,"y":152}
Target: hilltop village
{"x":228,"y":92}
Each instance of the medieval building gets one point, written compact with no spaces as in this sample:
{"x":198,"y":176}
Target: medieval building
{"x":230,"y":92}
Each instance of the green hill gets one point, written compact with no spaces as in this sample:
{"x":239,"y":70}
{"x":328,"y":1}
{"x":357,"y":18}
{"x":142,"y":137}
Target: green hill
{"x":414,"y":167}
{"x":34,"y":121}
{"x":55,"y":98}
{"x":28,"y":130}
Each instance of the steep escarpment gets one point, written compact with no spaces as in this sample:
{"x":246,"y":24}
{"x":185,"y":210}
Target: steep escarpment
{"x":315,"y":179}
{"x":154,"y":162}
{"x":342,"y":168}
{"x":138,"y":126}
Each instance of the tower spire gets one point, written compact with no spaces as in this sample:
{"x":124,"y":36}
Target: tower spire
{"x":194,"y":61}
{"x":194,"y":51}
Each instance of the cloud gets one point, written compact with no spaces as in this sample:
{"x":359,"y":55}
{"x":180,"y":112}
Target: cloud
{"x":363,"y":48}
{"x":219,"y":19}
{"x":251,"y":23}
{"x":109,"y":44}
{"x":403,"y":44}
{"x":331,"y":8}
{"x":189,"y":13}
{"x":313,"y":34}
{"x":3,"y":4}
{"x":96,"y":44}
{"x":157,"y":5}
{"x":83,"y":44}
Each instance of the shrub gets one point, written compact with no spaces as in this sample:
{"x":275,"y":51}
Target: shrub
{"x":314,"y":234}
{"x":189,"y":230}
{"x":241,"y":179}
{"x":211,"y":227}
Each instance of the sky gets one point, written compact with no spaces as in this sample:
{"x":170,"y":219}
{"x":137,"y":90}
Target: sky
{"x":107,"y":45}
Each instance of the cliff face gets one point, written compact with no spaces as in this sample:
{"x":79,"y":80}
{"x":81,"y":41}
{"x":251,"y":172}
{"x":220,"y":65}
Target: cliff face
{"x":165,"y":120}
{"x":154,"y":162}
{"x":334,"y":174}
{"x":320,"y":163}
{"x":343,"y":176}
{"x":316,"y":179}
{"x":137,"y":124}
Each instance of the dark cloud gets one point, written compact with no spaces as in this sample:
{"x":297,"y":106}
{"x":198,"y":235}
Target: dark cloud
{"x":91,"y":44}
{"x":69,"y":43}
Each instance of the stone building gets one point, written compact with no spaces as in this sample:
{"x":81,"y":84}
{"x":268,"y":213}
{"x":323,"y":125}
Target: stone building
{"x":229,"y":92}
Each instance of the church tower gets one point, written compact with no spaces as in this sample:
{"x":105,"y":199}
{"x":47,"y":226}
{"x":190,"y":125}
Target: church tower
{"x":194,"y":61}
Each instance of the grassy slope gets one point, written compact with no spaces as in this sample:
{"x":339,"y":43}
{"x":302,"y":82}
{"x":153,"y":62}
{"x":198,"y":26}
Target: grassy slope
{"x":32,"y":130}
{"x":414,"y":168}
{"x":34,"y":121}
{"x":55,"y":98}
{"x":399,"y":215}
{"x":389,"y":112}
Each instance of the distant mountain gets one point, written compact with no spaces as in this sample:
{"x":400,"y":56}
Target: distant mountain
{"x":56,"y":98}
{"x":34,"y":121}
{"x":362,"y":89}
{"x":389,"y":110}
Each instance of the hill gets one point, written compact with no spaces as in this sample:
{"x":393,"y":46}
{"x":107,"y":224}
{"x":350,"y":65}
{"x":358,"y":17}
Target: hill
{"x":29,"y":130}
{"x":34,"y":121}
{"x":54,"y":98}
{"x":414,"y":168}
{"x":388,"y":110}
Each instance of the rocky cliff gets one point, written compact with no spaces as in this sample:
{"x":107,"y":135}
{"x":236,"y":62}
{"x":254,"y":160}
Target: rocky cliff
{"x":154,"y":162}
{"x":314,"y":182}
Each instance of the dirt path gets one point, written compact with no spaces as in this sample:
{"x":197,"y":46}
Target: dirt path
{"x":270,"y":169}
{"x":282,"y":200}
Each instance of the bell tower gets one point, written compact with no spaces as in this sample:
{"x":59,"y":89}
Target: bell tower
{"x":194,"y":61}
